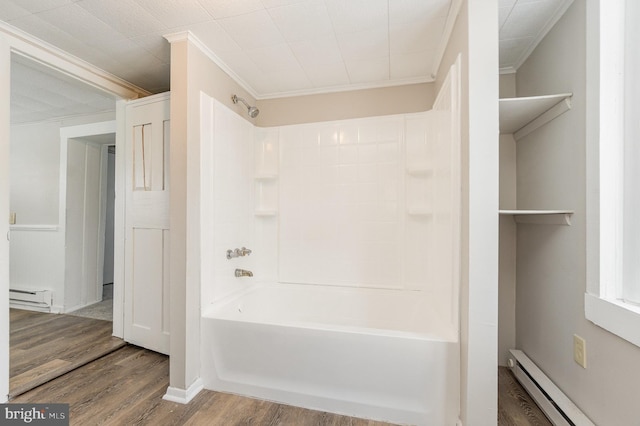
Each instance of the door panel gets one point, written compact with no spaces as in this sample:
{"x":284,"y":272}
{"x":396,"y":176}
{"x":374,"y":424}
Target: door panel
{"x":146,"y":303}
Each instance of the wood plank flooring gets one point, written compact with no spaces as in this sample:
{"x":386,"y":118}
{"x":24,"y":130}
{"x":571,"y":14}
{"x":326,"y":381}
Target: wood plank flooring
{"x":126,"y":388}
{"x":515,"y":406}
{"x":44,"y":346}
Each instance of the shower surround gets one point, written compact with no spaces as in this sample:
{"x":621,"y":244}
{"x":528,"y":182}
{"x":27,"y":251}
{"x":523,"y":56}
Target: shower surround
{"x":354,"y":232}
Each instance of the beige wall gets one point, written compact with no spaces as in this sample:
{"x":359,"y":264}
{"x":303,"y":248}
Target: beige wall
{"x":508,"y":85}
{"x":551,"y":265}
{"x":345,"y":105}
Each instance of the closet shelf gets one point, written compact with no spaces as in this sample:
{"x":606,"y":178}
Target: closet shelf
{"x":540,"y":217}
{"x":522,"y":116}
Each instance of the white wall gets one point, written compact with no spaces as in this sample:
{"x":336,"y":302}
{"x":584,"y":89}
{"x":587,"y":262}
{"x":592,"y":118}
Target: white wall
{"x":551,"y":268}
{"x":37,"y":156}
{"x":39,"y":234}
{"x":35,"y":171}
{"x":34,"y":197}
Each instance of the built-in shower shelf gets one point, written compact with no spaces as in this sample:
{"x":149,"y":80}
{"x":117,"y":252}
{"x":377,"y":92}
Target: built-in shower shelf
{"x":266,"y":213}
{"x":522,"y":116}
{"x":419,"y":171}
{"x":419,"y":211}
{"x":540,"y":217}
{"x":266,"y":176}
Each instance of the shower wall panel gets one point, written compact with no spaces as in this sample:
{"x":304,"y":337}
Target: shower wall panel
{"x":227,"y":198}
{"x":341,"y":203}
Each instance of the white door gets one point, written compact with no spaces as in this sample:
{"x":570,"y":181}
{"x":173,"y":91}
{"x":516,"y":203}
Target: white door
{"x":146,"y":288}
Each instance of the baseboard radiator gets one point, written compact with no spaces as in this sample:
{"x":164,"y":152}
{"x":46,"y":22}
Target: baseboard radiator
{"x":555,"y":404}
{"x":35,"y":300}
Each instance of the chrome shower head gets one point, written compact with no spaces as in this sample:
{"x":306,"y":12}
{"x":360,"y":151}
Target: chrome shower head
{"x":251,"y":110}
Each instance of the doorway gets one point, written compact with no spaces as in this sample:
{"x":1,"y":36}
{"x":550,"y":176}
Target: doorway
{"x":61,"y":130}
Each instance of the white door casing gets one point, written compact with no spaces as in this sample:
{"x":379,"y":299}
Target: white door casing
{"x":146,"y":289}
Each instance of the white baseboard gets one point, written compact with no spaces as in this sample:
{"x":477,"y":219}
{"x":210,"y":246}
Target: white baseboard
{"x":183,"y":396}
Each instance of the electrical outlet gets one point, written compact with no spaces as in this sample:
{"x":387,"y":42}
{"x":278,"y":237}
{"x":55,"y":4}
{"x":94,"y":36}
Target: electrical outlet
{"x":580,"y":350}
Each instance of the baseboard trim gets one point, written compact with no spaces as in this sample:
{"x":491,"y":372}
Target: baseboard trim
{"x":183,"y":396}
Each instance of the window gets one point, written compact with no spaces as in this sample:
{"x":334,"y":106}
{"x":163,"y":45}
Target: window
{"x":613,"y":167}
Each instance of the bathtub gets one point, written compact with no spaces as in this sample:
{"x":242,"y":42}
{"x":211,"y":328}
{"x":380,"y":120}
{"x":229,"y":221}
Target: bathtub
{"x":379,"y":354}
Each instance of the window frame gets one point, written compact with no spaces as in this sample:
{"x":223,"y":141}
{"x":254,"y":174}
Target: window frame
{"x":605,"y":178}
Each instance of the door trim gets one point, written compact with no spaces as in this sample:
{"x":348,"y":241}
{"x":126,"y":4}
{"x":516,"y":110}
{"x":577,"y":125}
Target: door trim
{"x":85,"y":130}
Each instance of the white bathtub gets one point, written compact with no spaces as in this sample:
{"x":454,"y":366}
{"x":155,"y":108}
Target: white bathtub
{"x":378,"y":354}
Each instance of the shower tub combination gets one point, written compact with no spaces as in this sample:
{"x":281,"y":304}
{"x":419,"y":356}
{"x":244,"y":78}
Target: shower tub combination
{"x":372,"y":353}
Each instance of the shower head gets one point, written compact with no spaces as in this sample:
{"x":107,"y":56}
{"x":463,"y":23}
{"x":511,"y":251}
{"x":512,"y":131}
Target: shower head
{"x":251,"y":110}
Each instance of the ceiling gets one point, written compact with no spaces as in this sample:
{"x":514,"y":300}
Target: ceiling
{"x":272,"y":47}
{"x":523,"y":24}
{"x":38,"y":93}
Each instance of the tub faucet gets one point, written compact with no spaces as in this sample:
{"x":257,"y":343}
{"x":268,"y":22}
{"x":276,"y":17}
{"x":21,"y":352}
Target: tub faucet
{"x":238,"y":252}
{"x":243,"y":273}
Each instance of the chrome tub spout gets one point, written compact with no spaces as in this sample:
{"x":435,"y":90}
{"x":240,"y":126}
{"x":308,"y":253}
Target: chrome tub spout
{"x":243,"y":273}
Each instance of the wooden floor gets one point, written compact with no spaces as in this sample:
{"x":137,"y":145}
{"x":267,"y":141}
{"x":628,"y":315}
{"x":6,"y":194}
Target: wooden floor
{"x":515,"y":406}
{"x":44,"y":346}
{"x":125,"y":387}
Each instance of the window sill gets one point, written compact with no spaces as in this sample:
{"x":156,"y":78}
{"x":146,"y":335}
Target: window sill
{"x":619,"y":318}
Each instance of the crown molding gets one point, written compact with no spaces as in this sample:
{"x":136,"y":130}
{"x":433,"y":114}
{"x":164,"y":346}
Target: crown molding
{"x":454,"y":11}
{"x":193,"y":39}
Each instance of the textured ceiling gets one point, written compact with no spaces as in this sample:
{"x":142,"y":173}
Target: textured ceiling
{"x":39,"y":93}
{"x":275,"y":47}
{"x":523,"y":24}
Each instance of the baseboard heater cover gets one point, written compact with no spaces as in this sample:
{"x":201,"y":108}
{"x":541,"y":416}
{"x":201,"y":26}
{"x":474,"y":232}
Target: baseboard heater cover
{"x":39,"y":300}
{"x":555,"y":404}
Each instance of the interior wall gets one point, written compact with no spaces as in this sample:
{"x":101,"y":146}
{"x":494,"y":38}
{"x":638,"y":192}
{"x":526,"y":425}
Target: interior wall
{"x":39,"y":233}
{"x":551,"y":268}
{"x":35,"y":173}
{"x":475,"y":38}
{"x":346,"y":105}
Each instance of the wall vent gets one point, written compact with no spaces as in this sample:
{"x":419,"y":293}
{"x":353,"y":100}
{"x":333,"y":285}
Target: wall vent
{"x":555,"y":404}
{"x":35,"y":300}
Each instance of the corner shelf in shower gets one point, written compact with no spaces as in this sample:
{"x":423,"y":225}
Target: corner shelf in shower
{"x":420,"y":171}
{"x":419,"y":212}
{"x":540,"y":217}
{"x":521,"y":116}
{"x":265,"y":213}
{"x":265,"y":177}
